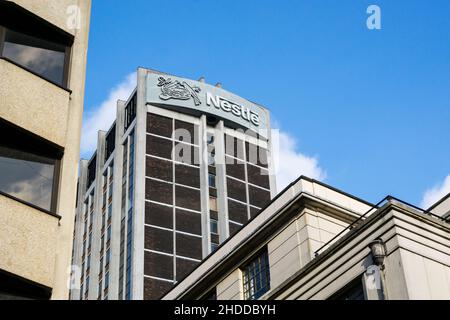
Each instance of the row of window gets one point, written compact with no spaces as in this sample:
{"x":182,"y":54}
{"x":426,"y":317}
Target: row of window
{"x":128,"y":276}
{"x":105,"y":255}
{"x":214,"y":214}
{"x":256,"y":282}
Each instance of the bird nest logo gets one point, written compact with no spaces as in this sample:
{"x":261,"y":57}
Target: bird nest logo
{"x":174,"y":89}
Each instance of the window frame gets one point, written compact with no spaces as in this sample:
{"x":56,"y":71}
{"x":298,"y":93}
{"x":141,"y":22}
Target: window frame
{"x":248,"y":295}
{"x":216,"y":222}
{"x":212,"y":178}
{"x":56,"y":152}
{"x":213,"y":199}
{"x":64,"y":38}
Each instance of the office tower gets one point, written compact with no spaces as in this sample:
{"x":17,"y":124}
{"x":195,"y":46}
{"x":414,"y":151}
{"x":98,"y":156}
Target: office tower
{"x":43,"y":47}
{"x":184,"y":166}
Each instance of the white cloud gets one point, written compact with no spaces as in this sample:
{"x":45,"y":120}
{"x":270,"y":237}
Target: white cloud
{"x":290,"y":163}
{"x":436,"y":193}
{"x":102,"y":117}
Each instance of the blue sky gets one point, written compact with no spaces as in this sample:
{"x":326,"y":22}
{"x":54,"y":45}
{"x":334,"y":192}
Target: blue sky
{"x":371,"y":108}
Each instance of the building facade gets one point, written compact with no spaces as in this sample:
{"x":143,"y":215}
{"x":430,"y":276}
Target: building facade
{"x":183,"y":167}
{"x":314,"y":242}
{"x":43,"y":48}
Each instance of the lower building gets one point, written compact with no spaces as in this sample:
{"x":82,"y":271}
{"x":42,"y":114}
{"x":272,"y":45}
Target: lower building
{"x":314,"y":242}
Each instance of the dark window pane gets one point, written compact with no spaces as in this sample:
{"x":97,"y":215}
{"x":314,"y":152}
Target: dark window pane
{"x":187,"y":198}
{"x":190,"y":222}
{"x":254,"y":211}
{"x":187,"y":175}
{"x":188,"y":246}
{"x":258,"y":176}
{"x":158,"y":215}
{"x":159,"y":125}
{"x":158,"y":240}
{"x":158,"y":265}
{"x":236,"y":190}
{"x":154,"y":289}
{"x":159,"y":169}
{"x":110,"y":142}
{"x":158,"y":191}
{"x":184,"y":267}
{"x":27,"y":177}
{"x":234,"y":228}
{"x":258,"y":197}
{"x":235,"y":168}
{"x":159,"y":147}
{"x":215,"y":238}
{"x":237,"y":212}
{"x":43,"y":57}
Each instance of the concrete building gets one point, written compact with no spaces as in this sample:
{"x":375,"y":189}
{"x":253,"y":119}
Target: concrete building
{"x":182,"y":168}
{"x":316,"y":242}
{"x":43,"y":48}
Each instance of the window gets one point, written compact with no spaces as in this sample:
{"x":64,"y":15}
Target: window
{"x":209,"y":138}
{"x":92,"y":166}
{"x":106,"y":280}
{"x":81,"y":291}
{"x":110,"y":142}
{"x":213,"y":203}
{"x":103,"y":221}
{"x":29,"y":167}
{"x":214,"y":246}
{"x":87,"y":285}
{"x":211,"y":158}
{"x":105,"y":182}
{"x":36,"y":45}
{"x":109,"y":212}
{"x":213,"y":224}
{"x":212,"y":180}
{"x":130,"y":112}
{"x":110,"y":192}
{"x":102,"y":243}
{"x":210,"y":295}
{"x":90,"y":241}
{"x":108,"y":256}
{"x":257,"y":277}
{"x":108,"y":234}
{"x":104,"y":200}
{"x":100,"y":285}
{"x":352,"y":291}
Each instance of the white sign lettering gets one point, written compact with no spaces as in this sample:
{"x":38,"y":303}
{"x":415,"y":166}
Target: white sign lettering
{"x":236,"y":109}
